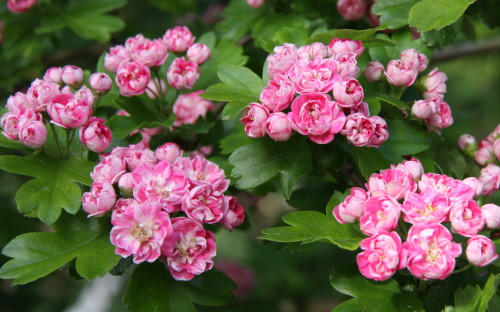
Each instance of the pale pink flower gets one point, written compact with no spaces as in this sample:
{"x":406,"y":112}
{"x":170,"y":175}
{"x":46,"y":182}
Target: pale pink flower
{"x":454,"y":189}
{"x":380,"y":258}
{"x":115,"y":57}
{"x":140,"y":231}
{"x":415,"y":59}
{"x":278,"y":94}
{"x":198,"y":53}
{"x":348,"y":93}
{"x":278,"y":127}
{"x":10,"y":126}
{"x":132,"y":78}
{"x":178,"y":39}
{"x":316,"y":115}
{"x":283,"y":60}
{"x":431,"y":251}
{"x":19,"y":103}
{"x":33,"y":134}
{"x":428,"y":207}
{"x":496,"y":149}
{"x":200,"y":171}
{"x":352,"y":206}
{"x":189,"y":250}
{"x":313,"y":50}
{"x":435,"y":85}
{"x":54,"y":75}
{"x":391,"y":182}
{"x":254,"y":118}
{"x":358,"y":129}
{"x":109,"y":169}
{"x":347,"y":65}
{"x":134,"y":41}
{"x":233,"y":213}
{"x":183,"y":74}
{"x":95,"y":135}
{"x":343,"y":45}
{"x":99,"y":200}
{"x":490,"y":177}
{"x":352,"y":9}
{"x":423,"y":109}
{"x":169,"y":152}
{"x":204,"y":204}
{"x":467,"y":142}
{"x":20,"y":6}
{"x":256,"y":3}
{"x":466,"y":218}
{"x":151,"y":53}
{"x":191,"y":106}
{"x":379,"y":214}
{"x":480,"y":250}
{"x":400,"y":73}
{"x":100,"y":83}
{"x":72,"y":75}
{"x":413,"y":166}
{"x":41,"y":93}
{"x":442,"y":118}
{"x":373,"y":71}
{"x":317,"y":75}
{"x":68,"y":111}
{"x":491,"y":214}
{"x":140,"y":156}
{"x":85,"y":94}
{"x":475,"y":184}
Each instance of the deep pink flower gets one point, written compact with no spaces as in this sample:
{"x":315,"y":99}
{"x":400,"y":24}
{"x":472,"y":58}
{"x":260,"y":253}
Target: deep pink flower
{"x":183,"y":74}
{"x":189,"y":107}
{"x":122,"y":206}
{"x":109,"y":169}
{"x":200,"y":171}
{"x":347,"y":65}
{"x":33,"y":134}
{"x":178,"y":39}
{"x":352,"y":206}
{"x":95,"y":135}
{"x":480,"y":250}
{"x":435,"y":85}
{"x":278,"y":94}
{"x":400,"y":73}
{"x":428,"y":207}
{"x":391,"y":182}
{"x":278,"y":127}
{"x":132,"y":78}
{"x":379,"y":214}
{"x":317,"y":75}
{"x":380,"y":258}
{"x":254,"y":118}
{"x":358,"y":129}
{"x":352,"y":9}
{"x":204,"y":204}
{"x":484,"y":153}
{"x":68,"y":111}
{"x":282,"y":61}
{"x":466,"y":218}
{"x":348,"y":93}
{"x":490,"y":177}
{"x":455,"y":189}
{"x":99,"y":200}
{"x":198,"y":53}
{"x":233,"y":213}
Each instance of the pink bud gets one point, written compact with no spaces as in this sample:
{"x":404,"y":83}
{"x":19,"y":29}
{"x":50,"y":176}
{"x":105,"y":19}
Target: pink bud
{"x":20,"y":6}
{"x":72,"y":75}
{"x":33,"y":134}
{"x":467,"y":143}
{"x":101,"y":83}
{"x":380,"y":131}
{"x":435,"y":84}
{"x":68,"y":111}
{"x":198,"y":53}
{"x":233,"y":213}
{"x":484,"y":155}
{"x":95,"y":135}
{"x":169,"y":152}
{"x":415,"y":59}
{"x":100,"y":199}
{"x":373,"y":71}
{"x":178,"y":39}
{"x":400,"y":74}
{"x":480,"y":251}
{"x":132,"y":78}
{"x":423,"y":109}
{"x":278,"y":127}
{"x":348,"y":93}
{"x":84,"y":93}
{"x":490,"y":177}
{"x":352,"y":9}
{"x":255,"y":3}
{"x":491,"y":214}
{"x":115,"y":57}
{"x":126,"y":184}
{"x":496,"y":149}
{"x":339,"y":46}
{"x":54,"y":75}
{"x":183,"y":74}
{"x":254,"y":119}
{"x":475,"y":184}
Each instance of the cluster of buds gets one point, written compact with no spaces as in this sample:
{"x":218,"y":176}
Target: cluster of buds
{"x":427,"y":201}
{"x":132,"y":62}
{"x":299,"y":96}
{"x":20,"y":6}
{"x":165,"y":199}
{"x":65,"y":101}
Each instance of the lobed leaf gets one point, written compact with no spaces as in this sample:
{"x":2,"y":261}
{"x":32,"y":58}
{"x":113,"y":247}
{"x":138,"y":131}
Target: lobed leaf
{"x":393,"y":13}
{"x":436,"y":14}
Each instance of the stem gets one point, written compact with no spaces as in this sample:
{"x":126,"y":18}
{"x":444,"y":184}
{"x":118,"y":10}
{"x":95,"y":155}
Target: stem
{"x":402,"y":226}
{"x":69,"y":139}
{"x":422,"y":285}
{"x":56,"y":137}
{"x":463,"y":268}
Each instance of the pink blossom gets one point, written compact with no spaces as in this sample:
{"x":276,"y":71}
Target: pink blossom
{"x":169,"y":152}
{"x":19,"y":103}
{"x":480,"y":250}
{"x":347,"y":65}
{"x":132,"y":78}
{"x":454,"y":189}
{"x":256,"y":3}
{"x":316,"y":115}
{"x":183,"y":74}
{"x":134,"y":41}
{"x":151,"y":53}
{"x":198,"y":53}
{"x":373,"y":71}
{"x":20,"y":6}
{"x":233,"y":213}
{"x":423,"y":109}
{"x":41,"y":93}
{"x":493,"y":136}
{"x":189,"y":250}
{"x":100,"y":83}
{"x":200,"y":171}
{"x":379,"y":214}
{"x":391,"y":182}
{"x":10,"y":126}
{"x":109,"y":169}
{"x":122,"y":206}
{"x":415,"y":59}
{"x":466,"y":218}
{"x":475,"y":184}
{"x":126,"y":184}
{"x":435,"y":85}
{"x":496,"y":149}
{"x":431,"y":251}
{"x":362,"y":108}
{"x":282,"y":61}
{"x":380,"y":132}
{"x":278,"y":94}
{"x":278,"y":127}
{"x":115,"y":57}
{"x":352,"y":9}
{"x":428,"y":207}
{"x":339,"y":46}
{"x":140,"y":156}
{"x":178,"y":39}
{"x":313,"y":50}
{"x":191,"y":106}
{"x":68,"y":111}
{"x":140,"y":231}
{"x":413,"y":166}
{"x":33,"y":134}
{"x":358,"y":129}
{"x":348,"y":93}
{"x":400,"y":73}
{"x":491,"y":215}
{"x":442,"y":118}
{"x":317,"y":75}
{"x":380,"y":258}
{"x":72,"y":75}
{"x":352,"y":206}
{"x":490,"y":177}
{"x":54,"y":75}
{"x":203,"y":204}
{"x":85,"y":94}
{"x":467,"y":142}
{"x":484,"y":153}
{"x":254,"y":118}
{"x":99,"y":200}
{"x":95,"y":135}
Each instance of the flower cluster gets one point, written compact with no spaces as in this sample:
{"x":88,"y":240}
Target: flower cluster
{"x":427,"y":201}
{"x":299,"y":96}
{"x":61,"y":98}
{"x":132,"y":62}
{"x":165,"y":200}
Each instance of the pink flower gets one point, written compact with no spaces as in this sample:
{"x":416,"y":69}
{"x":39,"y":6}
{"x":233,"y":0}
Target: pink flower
{"x":95,"y":135}
{"x":126,"y":184}
{"x":347,"y":65}
{"x":475,"y":184}
{"x":10,"y":126}
{"x":373,"y":71}
{"x":33,"y":134}
{"x":316,"y":115}
{"x":178,"y":39}
{"x":233,"y":213}
{"x":151,"y":53}
{"x":19,"y":103}
{"x":480,"y":250}
{"x":169,"y":152}
{"x":100,"y":83}
{"x":442,"y":118}
{"x":413,"y":166}
{"x":140,"y":156}
{"x":431,"y":251}
{"x":423,"y":109}
{"x":203,"y":204}
{"x":254,"y":118}
{"x":109,"y":169}
{"x":121,"y":207}
{"x":85,"y":94}
{"x":313,"y":50}
{"x":466,"y":218}
{"x":490,"y":177}
{"x":317,"y":75}
{"x":467,"y":142}
{"x":99,"y":200}
{"x":183,"y":74}
{"x":278,"y":94}
{"x":380,"y":132}
{"x":339,"y":46}
{"x":496,"y":149}
{"x":189,"y":250}
{"x":358,"y":129}
{"x":278,"y":127}
{"x":435,"y":85}
{"x":200,"y":171}
{"x":68,"y":111}
{"x":379,"y":214}
{"x":132,"y":78}
{"x":380,"y":258}
{"x":198,"y":53}
{"x":256,"y":3}
{"x":428,"y":207}
{"x":352,"y":206}
{"x":454,"y":189}
{"x":54,"y":75}
{"x":348,"y":93}
{"x":282,"y":61}
{"x":361,"y":108}
{"x":115,"y":57}
{"x":491,"y":215}
{"x":484,"y":153}
{"x":391,"y":182}
{"x":140,"y":231}
{"x":415,"y":59}
{"x":191,"y":106}
{"x":20,"y":6}
{"x":352,"y":9}
{"x":41,"y":93}
{"x":400,"y":73}
{"x":72,"y":75}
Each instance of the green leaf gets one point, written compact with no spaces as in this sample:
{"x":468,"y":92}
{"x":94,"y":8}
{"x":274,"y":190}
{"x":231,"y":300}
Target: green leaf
{"x":39,"y":254}
{"x":232,"y":109}
{"x":296,"y":35}
{"x":405,"y":138}
{"x":54,"y":186}
{"x":98,"y":27}
{"x":436,"y":14}
{"x":274,"y":29}
{"x":393,"y":13}
{"x":472,"y":298}
{"x":489,"y":290}
{"x":353,"y":34}
{"x":441,"y":37}
{"x":8,"y":143}
{"x":312,"y":226}
{"x":389,"y":100}
{"x":369,"y":160}
{"x":234,"y":141}
{"x":239,"y":19}
{"x":152,"y":288}
{"x":122,"y":126}
{"x":312,"y":196}
{"x":257,"y":163}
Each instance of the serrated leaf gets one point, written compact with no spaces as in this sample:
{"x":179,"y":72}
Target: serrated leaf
{"x":312,"y":226}
{"x":436,"y":14}
{"x":441,"y":37}
{"x":369,"y":160}
{"x":226,"y":93}
{"x":405,"y":138}
{"x":98,"y":27}
{"x":38,"y":254}
{"x":234,"y":141}
{"x":393,"y":13}
{"x":239,"y":19}
{"x":268,"y":29}
{"x":152,"y":288}
{"x":354,"y":34}
{"x":54,"y":186}
{"x":122,"y":126}
{"x":232,"y":109}
{"x":8,"y":143}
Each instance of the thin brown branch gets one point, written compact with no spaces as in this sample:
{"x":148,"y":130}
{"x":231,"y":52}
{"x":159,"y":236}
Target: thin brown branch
{"x":466,"y":49}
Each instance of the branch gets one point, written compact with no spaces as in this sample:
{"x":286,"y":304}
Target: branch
{"x":466,"y":49}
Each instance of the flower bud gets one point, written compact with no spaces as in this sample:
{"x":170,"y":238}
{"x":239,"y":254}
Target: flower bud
{"x":198,"y":53}
{"x":54,"y":75}
{"x":468,"y":144}
{"x":20,"y":6}
{"x":475,"y":184}
{"x":33,"y":134}
{"x":400,"y":74}
{"x":183,"y":74}
{"x":435,"y":84}
{"x":484,"y":155}
{"x":126,"y":184}
{"x":255,"y":3}
{"x":278,"y":127}
{"x":491,"y":214}
{"x":352,"y":9}
{"x":72,"y":75}
{"x":95,"y":135}
{"x":480,"y":251}
{"x":373,"y":71}
{"x":169,"y":152}
{"x":178,"y":39}
{"x":100,"y":83}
